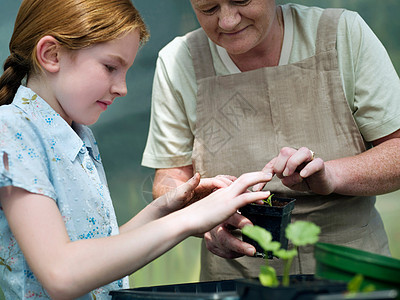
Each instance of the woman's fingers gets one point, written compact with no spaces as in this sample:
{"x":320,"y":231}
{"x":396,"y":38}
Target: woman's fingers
{"x":289,"y":160}
{"x":223,"y":243}
{"x":187,"y":188}
{"x":312,"y":167}
{"x":282,"y":160}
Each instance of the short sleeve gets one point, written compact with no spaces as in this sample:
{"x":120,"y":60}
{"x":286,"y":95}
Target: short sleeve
{"x":376,"y":106}
{"x":370,"y":82}
{"x":23,"y":160}
{"x":170,"y":138}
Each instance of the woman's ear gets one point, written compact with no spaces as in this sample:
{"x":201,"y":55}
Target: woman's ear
{"x":48,"y":53}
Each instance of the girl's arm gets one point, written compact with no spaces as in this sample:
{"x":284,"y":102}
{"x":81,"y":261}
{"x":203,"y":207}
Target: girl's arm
{"x":177,"y":193}
{"x":174,"y":199}
{"x":70,"y":269}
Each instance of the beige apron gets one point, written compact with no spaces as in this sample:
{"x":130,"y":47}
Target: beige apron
{"x":244,"y":119}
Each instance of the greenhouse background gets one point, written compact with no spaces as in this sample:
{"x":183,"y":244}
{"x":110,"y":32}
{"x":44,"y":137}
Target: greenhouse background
{"x":122,"y":131}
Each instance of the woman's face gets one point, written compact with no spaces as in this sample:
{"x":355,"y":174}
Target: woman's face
{"x":237,"y":26}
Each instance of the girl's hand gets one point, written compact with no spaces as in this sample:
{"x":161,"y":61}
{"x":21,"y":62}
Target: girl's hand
{"x":209,"y":185}
{"x":189,"y":192}
{"x":205,"y":214}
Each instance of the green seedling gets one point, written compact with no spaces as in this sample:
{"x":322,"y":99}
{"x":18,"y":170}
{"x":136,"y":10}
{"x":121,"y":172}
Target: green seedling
{"x":354,"y":286}
{"x":264,"y":239}
{"x":268,"y":200}
{"x":300,"y":233}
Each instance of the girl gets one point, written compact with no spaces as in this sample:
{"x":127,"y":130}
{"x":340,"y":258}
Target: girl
{"x":58,"y":231}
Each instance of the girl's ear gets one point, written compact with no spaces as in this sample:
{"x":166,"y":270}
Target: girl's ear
{"x":48,"y":53}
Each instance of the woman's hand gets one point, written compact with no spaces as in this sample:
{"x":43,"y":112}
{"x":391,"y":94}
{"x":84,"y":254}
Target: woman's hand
{"x":222,"y":242}
{"x":299,"y":170}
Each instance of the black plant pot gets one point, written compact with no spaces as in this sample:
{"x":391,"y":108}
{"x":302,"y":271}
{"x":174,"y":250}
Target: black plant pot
{"x":273,"y":218}
{"x":301,"y":287}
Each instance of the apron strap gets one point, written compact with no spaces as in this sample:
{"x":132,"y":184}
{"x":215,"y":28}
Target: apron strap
{"x":201,"y":54}
{"x":327,"y":29}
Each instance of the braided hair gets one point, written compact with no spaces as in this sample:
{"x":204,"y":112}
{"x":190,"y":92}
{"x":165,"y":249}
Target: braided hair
{"x":15,"y":69}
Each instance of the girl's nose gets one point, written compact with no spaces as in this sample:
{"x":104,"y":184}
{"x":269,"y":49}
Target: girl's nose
{"x":119,"y":88}
{"x":229,"y":18}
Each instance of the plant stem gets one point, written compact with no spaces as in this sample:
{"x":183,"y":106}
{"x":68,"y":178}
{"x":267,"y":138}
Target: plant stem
{"x":286,"y":270}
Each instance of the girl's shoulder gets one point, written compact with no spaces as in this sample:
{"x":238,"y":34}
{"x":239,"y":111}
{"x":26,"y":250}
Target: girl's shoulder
{"x":22,"y":125}
{"x":28,"y":113}
{"x":12,"y":116}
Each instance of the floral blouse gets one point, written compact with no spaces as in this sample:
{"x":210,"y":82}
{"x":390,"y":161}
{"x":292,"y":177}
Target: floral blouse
{"x":47,"y":156}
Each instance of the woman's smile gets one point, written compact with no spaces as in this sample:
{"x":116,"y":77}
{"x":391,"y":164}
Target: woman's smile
{"x":237,"y":32}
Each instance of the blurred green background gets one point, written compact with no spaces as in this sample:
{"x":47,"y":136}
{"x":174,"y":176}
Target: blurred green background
{"x":122,"y":131}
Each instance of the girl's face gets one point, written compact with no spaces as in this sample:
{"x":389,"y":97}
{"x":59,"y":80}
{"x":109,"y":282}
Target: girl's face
{"x":237,"y":26}
{"x":90,"y":79}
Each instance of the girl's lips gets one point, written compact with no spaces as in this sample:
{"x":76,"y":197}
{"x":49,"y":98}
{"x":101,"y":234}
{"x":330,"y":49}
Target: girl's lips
{"x":104,"y":104}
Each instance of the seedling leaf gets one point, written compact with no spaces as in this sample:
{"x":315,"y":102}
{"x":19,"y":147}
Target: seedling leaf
{"x":273,"y":246}
{"x":285,"y":254}
{"x":268,"y":276}
{"x":353,"y":286}
{"x":269,"y":200}
{"x":302,"y":233}
{"x":259,"y":234}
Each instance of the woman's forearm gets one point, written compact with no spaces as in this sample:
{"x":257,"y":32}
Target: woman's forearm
{"x":372,"y":172}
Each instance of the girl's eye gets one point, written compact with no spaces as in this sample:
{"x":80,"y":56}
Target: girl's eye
{"x":110,"y":68}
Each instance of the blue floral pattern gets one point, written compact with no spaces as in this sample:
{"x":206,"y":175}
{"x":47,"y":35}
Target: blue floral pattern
{"x":49,"y":157}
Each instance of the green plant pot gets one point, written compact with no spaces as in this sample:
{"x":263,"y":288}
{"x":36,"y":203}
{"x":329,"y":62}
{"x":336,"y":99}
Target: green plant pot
{"x":273,"y":218}
{"x":343,"y":263}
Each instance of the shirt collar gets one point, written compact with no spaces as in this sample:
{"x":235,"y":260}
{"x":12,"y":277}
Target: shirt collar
{"x":69,"y":140}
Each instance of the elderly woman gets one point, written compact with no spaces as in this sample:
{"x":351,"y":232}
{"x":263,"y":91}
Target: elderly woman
{"x":257,"y":87}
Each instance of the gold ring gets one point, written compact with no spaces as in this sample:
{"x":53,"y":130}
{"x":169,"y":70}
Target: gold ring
{"x":312,"y":155}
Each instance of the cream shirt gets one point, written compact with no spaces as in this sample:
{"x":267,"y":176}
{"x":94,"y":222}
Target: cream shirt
{"x":371,"y":84}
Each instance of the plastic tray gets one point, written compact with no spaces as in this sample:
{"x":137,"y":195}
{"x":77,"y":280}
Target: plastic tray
{"x":225,"y":289}
{"x":239,"y":289}
{"x":302,"y":287}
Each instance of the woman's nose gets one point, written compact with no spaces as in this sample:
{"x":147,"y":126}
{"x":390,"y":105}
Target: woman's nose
{"x":229,"y":18}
